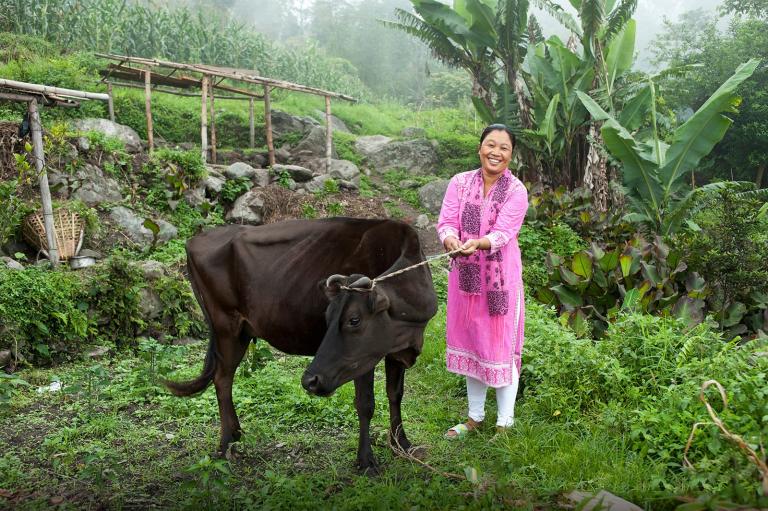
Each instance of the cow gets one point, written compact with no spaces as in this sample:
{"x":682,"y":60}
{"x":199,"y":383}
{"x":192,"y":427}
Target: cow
{"x":305,"y":287}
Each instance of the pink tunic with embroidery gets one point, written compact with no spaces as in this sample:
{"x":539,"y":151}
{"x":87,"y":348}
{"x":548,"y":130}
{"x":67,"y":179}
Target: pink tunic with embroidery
{"x":480,"y":345}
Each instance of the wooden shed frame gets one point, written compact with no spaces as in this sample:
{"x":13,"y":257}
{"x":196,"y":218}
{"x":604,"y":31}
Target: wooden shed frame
{"x":35,"y":95}
{"x":154,"y":73}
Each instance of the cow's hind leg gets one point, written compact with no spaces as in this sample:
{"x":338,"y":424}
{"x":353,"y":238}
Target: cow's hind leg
{"x":395,"y":380}
{"x":231,"y":350}
{"x":364,"y":404}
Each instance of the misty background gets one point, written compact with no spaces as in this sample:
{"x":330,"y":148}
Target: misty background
{"x":393,"y":64}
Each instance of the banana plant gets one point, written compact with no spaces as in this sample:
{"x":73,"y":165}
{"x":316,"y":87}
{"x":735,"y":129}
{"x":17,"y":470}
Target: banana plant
{"x":653,"y":170}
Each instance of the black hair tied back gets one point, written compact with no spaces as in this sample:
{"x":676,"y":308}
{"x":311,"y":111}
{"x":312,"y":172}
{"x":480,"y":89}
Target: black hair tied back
{"x":497,"y":127}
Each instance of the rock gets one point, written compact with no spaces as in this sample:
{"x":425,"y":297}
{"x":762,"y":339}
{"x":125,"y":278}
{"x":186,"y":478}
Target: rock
{"x":261,"y":178}
{"x":86,"y":252}
{"x":150,"y":304}
{"x":16,"y":246}
{"x":152,"y":270}
{"x":213,"y":184}
{"x":407,"y":183}
{"x":95,"y":187}
{"x":256,"y":160}
{"x":5,"y":357}
{"x":195,"y":196}
{"x":127,"y":135}
{"x":415,"y":156}
{"x":133,"y":226}
{"x":99,"y":352}
{"x":282,"y":155}
{"x":317,"y":184}
{"x":298,"y":174}
{"x":422,"y":222}
{"x":431,"y":195}
{"x":239,"y":169}
{"x":283,"y":123}
{"x":248,"y":209}
{"x":348,"y":185}
{"x":336,"y":123}
{"x":413,"y":132}
{"x":11,"y":264}
{"x":370,"y":144}
{"x":312,"y":145}
{"x":603,"y":500}
{"x":83,"y":144}
{"x":340,"y":169}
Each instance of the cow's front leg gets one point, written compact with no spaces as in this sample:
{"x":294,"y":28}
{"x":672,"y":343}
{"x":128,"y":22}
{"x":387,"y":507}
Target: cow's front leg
{"x":395,"y":379}
{"x":364,"y":404}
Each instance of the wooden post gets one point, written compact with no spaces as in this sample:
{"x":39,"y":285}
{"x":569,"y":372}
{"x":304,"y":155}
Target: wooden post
{"x":328,"y":135}
{"x":251,"y":123}
{"x":110,"y":103}
{"x":268,"y":121}
{"x":42,"y":176}
{"x":148,"y":104}
{"x":213,"y":123}
{"x":204,"y":119}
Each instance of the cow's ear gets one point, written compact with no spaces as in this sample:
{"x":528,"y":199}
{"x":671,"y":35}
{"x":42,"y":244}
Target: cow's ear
{"x":332,"y":285}
{"x":378,"y":301}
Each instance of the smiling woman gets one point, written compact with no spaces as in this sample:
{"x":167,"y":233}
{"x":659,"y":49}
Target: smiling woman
{"x":481,"y":215}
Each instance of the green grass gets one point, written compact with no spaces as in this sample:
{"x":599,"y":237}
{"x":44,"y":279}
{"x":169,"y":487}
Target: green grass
{"x":119,"y":440}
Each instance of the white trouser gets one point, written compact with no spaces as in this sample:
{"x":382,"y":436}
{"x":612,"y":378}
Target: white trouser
{"x":505,"y":398}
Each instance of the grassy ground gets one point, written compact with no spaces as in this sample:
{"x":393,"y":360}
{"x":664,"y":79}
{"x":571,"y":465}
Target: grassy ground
{"x":113,"y":438}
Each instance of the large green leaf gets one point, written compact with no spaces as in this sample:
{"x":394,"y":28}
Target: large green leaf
{"x":482,"y":21}
{"x":582,"y":264}
{"x":482,"y":110}
{"x":569,"y":298}
{"x":696,"y":138}
{"x":634,"y":110}
{"x":550,"y":122}
{"x":621,"y":53}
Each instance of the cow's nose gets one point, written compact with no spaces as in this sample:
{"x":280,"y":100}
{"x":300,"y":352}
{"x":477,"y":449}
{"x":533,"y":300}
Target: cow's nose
{"x":310,"y":382}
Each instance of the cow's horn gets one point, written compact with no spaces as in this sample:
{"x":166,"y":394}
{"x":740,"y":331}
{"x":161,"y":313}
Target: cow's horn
{"x":333,"y":279}
{"x":362,"y":282}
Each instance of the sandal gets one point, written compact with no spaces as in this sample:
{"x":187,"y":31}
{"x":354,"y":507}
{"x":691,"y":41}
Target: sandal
{"x":461,"y":430}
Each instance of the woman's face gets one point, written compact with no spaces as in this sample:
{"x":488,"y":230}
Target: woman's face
{"x":495,"y":152}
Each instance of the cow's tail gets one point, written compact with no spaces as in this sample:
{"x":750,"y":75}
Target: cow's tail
{"x":199,"y":384}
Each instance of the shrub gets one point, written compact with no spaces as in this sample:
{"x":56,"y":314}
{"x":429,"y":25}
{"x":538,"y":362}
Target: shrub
{"x":44,"y":313}
{"x":345,"y":147}
{"x":457,"y":153}
{"x":14,"y":209}
{"x":535,"y":243}
{"x":234,"y":188}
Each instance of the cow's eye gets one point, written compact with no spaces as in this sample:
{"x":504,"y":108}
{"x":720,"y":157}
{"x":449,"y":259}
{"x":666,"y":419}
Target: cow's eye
{"x":354,"y":321}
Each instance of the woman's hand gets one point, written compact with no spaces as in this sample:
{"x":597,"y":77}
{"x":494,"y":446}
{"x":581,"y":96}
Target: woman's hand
{"x":451,"y":243}
{"x":470,"y":246}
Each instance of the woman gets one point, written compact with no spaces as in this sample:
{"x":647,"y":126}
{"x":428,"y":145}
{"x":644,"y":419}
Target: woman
{"x":481,"y":215}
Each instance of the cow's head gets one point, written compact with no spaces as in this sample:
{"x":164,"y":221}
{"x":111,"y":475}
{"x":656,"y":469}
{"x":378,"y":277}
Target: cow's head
{"x":360,"y":333}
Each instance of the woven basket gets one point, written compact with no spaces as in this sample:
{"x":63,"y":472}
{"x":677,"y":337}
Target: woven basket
{"x":69,"y":228}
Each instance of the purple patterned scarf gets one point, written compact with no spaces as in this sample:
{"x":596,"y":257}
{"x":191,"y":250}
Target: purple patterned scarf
{"x":473,"y":223}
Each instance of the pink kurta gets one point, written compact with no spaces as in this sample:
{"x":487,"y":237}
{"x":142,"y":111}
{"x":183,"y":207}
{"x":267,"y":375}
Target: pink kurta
{"x":481,"y":345}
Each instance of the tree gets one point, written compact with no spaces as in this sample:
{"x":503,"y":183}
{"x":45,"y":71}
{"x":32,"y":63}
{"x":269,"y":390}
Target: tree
{"x":653,"y":170}
{"x":695,"y":39}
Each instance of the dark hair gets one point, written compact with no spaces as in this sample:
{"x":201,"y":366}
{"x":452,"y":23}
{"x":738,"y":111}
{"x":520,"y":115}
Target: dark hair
{"x":497,"y":127}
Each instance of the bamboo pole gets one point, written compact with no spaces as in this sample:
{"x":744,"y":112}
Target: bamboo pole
{"x":148,"y":106}
{"x":42,"y":176}
{"x":204,"y":120}
{"x":110,"y":103}
{"x":268,"y":122}
{"x":213,"y":122}
{"x":251,"y":124}
{"x":155,"y":88}
{"x":328,"y":135}
{"x":46,"y":89}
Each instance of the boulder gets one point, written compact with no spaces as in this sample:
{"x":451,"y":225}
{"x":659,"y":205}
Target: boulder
{"x":261,"y":178}
{"x":11,"y":264}
{"x":213,"y":183}
{"x":152,"y":270}
{"x":282,"y":155}
{"x":413,"y":132}
{"x":603,"y":500}
{"x":312,"y":145}
{"x":317,"y":184}
{"x":5,"y":357}
{"x":127,"y":135}
{"x":150,"y":304}
{"x":298,"y":174}
{"x":248,"y":209}
{"x":336,"y":123}
{"x":195,"y":196}
{"x":422,"y":222}
{"x":340,"y":169}
{"x":415,"y":156}
{"x":348,"y":185}
{"x":370,"y":144}
{"x":431,"y":195}
{"x":95,"y":187}
{"x":133,"y":226}
{"x":283,"y":123}
{"x":238,"y":170}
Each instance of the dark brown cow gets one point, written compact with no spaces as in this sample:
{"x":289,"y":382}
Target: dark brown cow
{"x":283,"y":283}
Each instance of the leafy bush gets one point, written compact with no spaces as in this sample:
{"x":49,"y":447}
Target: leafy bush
{"x":457,"y":153}
{"x":535,"y":243}
{"x":14,"y":209}
{"x":168,"y":174}
{"x":345,"y":147}
{"x":234,"y":188}
{"x":45,"y":313}
{"x":730,"y":251}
